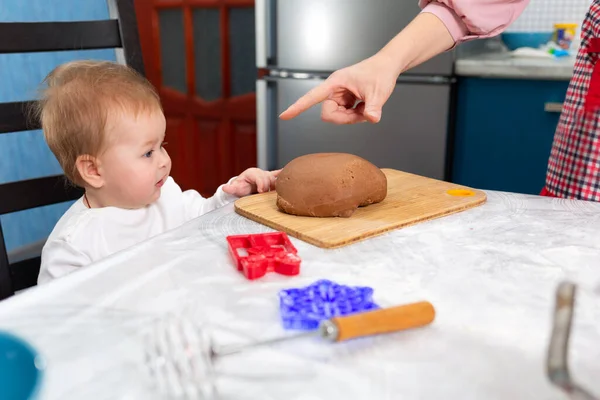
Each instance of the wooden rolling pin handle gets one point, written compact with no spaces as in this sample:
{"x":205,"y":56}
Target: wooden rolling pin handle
{"x":384,"y":321}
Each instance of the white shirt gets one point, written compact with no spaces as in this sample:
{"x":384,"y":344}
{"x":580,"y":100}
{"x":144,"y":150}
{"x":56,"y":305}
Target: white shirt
{"x":83,"y":235}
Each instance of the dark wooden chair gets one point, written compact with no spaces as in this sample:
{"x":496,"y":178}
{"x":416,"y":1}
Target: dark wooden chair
{"x":20,"y":271}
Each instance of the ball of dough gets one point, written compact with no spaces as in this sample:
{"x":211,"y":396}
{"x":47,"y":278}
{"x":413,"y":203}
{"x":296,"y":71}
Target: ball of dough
{"x":329,"y":185}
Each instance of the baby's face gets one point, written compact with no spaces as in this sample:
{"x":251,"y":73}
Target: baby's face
{"x":135,"y":165}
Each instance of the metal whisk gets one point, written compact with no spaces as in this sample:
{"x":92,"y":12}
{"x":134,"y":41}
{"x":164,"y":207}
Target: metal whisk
{"x":179,"y":359}
{"x":180,"y":354}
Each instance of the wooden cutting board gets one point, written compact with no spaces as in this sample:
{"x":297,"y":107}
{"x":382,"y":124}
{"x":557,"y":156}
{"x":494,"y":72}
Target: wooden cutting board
{"x":411,"y":199}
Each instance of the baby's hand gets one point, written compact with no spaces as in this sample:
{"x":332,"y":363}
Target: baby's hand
{"x":250,"y":181}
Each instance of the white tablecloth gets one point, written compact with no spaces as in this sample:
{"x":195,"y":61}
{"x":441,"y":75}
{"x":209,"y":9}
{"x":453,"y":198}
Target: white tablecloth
{"x":490,"y":272}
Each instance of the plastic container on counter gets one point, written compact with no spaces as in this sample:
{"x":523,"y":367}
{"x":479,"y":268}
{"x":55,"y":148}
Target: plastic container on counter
{"x":564,"y":34}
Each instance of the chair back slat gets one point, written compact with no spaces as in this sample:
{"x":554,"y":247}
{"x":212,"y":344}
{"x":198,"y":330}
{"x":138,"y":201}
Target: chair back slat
{"x":16,"y":117}
{"x":25,"y":273}
{"x":32,"y":193}
{"x":27,"y":37}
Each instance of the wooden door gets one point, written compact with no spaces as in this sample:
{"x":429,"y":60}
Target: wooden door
{"x":200,"y":56}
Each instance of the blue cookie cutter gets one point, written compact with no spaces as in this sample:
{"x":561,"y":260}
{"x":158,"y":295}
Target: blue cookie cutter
{"x":304,"y":308}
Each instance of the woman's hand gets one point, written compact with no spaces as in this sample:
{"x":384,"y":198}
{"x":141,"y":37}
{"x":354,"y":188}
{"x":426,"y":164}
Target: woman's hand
{"x":370,"y":82}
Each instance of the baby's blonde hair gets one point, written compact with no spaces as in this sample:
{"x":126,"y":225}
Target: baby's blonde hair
{"x":76,"y":102}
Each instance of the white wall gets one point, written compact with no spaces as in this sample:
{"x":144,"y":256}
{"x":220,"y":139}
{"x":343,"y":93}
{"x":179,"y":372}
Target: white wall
{"x":541,"y":15}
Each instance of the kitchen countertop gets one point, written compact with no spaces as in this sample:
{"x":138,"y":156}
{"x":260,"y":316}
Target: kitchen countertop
{"x":503,"y":65}
{"x":491,"y":273}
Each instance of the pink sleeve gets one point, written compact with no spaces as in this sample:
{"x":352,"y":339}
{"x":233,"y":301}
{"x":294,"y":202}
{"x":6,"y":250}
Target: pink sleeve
{"x":473,"y":19}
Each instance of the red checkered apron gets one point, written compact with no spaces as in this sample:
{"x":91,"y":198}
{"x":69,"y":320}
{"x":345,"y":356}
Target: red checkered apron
{"x":574,"y":164}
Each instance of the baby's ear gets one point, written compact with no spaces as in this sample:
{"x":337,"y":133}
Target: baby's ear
{"x":87,"y":166}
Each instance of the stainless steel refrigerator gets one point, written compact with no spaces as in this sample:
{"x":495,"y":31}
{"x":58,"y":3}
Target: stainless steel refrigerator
{"x":301,"y":42}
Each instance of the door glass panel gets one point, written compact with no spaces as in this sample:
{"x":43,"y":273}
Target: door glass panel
{"x":242,"y":51}
{"x":207,"y":53}
{"x":172,"y":48}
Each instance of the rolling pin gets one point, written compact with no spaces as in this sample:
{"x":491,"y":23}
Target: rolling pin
{"x":337,"y":329}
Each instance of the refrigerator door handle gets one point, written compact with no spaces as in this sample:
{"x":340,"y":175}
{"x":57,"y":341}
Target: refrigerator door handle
{"x":262,"y":150}
{"x":263,"y":32}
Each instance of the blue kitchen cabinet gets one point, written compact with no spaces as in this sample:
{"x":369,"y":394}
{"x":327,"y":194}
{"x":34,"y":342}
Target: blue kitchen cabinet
{"x":504,"y":134}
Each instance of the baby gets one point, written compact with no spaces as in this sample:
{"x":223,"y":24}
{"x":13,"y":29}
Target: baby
{"x":105,"y":125}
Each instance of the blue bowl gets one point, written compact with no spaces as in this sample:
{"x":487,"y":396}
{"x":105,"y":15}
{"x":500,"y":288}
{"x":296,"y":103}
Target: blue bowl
{"x":515,"y":40}
{"x":20,"y":369}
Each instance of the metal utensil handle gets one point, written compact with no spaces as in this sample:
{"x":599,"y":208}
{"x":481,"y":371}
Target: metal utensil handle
{"x":237,"y":348}
{"x":553,"y":107}
{"x":383,"y":321}
{"x":557,"y":362}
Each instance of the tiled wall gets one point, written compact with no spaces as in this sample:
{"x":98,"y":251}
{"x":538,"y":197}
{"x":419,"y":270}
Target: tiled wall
{"x":25,"y":155}
{"x":541,"y":15}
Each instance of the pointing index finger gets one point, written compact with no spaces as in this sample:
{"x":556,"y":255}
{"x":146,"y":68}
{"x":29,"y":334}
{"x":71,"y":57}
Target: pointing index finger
{"x":313,"y":97}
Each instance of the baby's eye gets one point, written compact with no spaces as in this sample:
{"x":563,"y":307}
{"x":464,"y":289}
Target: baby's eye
{"x":149,"y":154}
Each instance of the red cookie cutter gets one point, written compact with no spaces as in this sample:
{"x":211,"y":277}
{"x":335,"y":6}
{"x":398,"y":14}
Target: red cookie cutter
{"x":257,"y":254}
